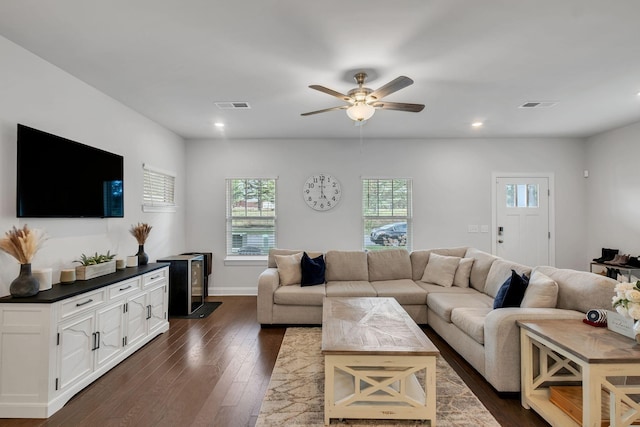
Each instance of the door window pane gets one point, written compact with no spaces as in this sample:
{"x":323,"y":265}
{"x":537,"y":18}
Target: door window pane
{"x":521,"y":195}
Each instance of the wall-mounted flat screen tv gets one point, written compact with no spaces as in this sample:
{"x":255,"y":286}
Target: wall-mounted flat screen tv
{"x":60,"y":178}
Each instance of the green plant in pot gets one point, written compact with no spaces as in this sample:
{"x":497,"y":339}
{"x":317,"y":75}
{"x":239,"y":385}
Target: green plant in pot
{"x":95,"y":259}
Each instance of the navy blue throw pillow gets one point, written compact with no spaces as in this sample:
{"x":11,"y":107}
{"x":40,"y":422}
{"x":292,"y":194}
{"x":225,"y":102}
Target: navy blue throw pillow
{"x":512,"y":291}
{"x":502,"y":292}
{"x":312,"y":270}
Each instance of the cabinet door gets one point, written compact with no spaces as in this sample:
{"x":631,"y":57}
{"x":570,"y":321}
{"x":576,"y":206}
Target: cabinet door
{"x":75,"y":350}
{"x":136,"y":319}
{"x":158,"y":308}
{"x":110,"y":330}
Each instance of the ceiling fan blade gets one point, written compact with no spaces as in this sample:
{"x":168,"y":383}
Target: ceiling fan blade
{"x":332,"y":92}
{"x":393,"y":86}
{"x":344,"y":107}
{"x":400,"y":106}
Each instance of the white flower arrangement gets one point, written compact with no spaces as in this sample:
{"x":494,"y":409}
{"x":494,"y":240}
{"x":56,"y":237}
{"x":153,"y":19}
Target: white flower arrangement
{"x":627,"y":299}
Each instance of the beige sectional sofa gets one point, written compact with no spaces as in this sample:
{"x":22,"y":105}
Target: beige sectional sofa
{"x":458,"y":307}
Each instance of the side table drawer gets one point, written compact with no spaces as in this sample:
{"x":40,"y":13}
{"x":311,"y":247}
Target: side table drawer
{"x":154,"y":277}
{"x":123,"y":288}
{"x":81,"y":303}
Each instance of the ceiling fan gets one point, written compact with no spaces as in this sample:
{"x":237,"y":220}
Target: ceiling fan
{"x":363,"y":102}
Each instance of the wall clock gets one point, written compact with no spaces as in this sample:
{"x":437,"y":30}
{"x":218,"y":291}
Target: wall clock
{"x":322,"y":192}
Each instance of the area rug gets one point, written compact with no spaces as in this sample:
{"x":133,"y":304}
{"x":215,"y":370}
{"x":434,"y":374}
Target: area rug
{"x":295,"y":395}
{"x":202,"y":312}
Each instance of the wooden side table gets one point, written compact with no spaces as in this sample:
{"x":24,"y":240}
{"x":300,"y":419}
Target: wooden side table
{"x":568,"y":352}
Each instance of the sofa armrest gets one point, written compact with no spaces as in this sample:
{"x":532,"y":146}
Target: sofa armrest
{"x":268,"y":282}
{"x":502,"y":342}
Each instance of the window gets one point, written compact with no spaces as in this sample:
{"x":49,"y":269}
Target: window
{"x":522,"y":195}
{"x":386,"y":213}
{"x":158,"y":190}
{"x":251,"y":216}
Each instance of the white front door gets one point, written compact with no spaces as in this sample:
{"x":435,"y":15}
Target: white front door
{"x":522,"y":211}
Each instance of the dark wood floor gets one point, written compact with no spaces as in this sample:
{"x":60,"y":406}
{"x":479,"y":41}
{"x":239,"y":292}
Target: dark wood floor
{"x":214,"y":372}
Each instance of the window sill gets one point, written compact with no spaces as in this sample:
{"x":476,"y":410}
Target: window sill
{"x":151,"y":208}
{"x":246,"y":260}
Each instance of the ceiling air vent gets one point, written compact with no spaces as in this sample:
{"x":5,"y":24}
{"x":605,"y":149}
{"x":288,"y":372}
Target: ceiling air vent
{"x":233,"y":105}
{"x":538,"y":104}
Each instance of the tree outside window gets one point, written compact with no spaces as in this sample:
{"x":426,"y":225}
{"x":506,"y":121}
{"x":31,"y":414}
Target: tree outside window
{"x":251,"y":216}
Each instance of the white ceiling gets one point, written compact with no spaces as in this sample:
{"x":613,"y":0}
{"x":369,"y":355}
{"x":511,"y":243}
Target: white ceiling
{"x":470,"y":60}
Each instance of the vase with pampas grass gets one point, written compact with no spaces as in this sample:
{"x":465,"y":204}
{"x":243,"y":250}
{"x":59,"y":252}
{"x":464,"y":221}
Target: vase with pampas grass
{"x":141,"y":232}
{"x":22,"y":244}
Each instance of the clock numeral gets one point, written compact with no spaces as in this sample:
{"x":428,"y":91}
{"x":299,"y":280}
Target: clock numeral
{"x":307,"y":191}
{"x":321,"y":205}
{"x":309,"y":199}
{"x":336,"y":191}
{"x":333,"y":198}
{"x":329,"y":204}
{"x":314,"y":203}
{"x":311,"y":185}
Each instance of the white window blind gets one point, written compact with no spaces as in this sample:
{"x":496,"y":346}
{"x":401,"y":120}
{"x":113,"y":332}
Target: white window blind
{"x":159,"y":189}
{"x":386,"y":213}
{"x":251,"y":216}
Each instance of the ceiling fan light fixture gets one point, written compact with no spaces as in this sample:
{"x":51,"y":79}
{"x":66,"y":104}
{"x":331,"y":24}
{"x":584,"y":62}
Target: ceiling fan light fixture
{"x":360,"y":111}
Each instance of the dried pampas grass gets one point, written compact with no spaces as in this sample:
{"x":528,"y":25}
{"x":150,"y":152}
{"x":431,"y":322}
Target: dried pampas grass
{"x":141,"y":232}
{"x":22,"y":243}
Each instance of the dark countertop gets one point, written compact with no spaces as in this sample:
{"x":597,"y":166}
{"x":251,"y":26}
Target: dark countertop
{"x":59,"y":291}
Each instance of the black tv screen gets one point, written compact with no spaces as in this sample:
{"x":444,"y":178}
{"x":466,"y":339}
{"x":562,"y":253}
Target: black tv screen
{"x":60,"y":178}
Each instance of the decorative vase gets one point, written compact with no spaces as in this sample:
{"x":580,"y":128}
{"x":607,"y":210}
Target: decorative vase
{"x":143,"y":258}
{"x":636,"y":329}
{"x":25,"y":285}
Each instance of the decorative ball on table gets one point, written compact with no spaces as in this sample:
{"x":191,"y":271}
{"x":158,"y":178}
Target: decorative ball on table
{"x":22,"y":244}
{"x":141,"y":232}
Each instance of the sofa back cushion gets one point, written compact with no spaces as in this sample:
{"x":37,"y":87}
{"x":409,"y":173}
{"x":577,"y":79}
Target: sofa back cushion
{"x":581,"y":290}
{"x":346,"y":265}
{"x":389,"y":264}
{"x":480,"y":268}
{"x":499,"y":272}
{"x":419,"y":259}
{"x":271,"y":262}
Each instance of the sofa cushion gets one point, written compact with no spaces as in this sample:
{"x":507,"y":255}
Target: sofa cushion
{"x":480,"y":269}
{"x":542,"y":291}
{"x":389,"y":265}
{"x":405,"y":291}
{"x":346,"y":265}
{"x":430,"y":287}
{"x":512,"y":291}
{"x":271,"y":261}
{"x":299,"y":295}
{"x":350,"y":288}
{"x":312,"y":270}
{"x":440,"y":270}
{"x":443,"y":303}
{"x":463,"y":273}
{"x":581,"y":290}
{"x":499,"y":272}
{"x":289,"y":268}
{"x":419,"y":259}
{"x":471,"y":321}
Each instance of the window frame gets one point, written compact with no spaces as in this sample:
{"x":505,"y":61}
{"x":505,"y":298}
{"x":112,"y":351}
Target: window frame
{"x":390,"y":219}
{"x":230,"y":257}
{"x":158,"y":189}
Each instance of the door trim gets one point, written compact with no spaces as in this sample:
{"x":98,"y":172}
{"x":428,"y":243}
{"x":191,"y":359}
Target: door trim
{"x":552,"y":208}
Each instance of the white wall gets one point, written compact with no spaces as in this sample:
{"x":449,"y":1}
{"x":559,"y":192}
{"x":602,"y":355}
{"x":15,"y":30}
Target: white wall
{"x":451,"y":189}
{"x":35,"y":93}
{"x":613,"y":209}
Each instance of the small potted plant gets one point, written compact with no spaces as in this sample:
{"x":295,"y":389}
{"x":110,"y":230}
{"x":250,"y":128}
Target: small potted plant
{"x":95,"y":266}
{"x":22,"y":244}
{"x":141,"y":232}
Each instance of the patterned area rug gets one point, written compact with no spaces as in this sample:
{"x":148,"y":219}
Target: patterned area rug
{"x":295,"y":396}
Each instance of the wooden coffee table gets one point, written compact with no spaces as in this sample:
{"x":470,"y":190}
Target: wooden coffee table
{"x":378,"y":362}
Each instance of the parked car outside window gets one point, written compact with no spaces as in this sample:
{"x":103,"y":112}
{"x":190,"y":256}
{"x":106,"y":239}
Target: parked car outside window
{"x":385,"y":234}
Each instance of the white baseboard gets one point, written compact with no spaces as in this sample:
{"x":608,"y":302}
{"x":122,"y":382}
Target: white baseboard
{"x":232,"y":290}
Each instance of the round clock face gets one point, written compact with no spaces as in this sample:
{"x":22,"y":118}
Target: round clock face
{"x":322,"y":192}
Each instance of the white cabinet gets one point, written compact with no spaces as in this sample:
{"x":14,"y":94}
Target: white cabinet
{"x":53,"y":345}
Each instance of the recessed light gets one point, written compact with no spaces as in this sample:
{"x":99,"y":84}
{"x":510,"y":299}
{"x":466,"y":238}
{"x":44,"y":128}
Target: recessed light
{"x":477,"y":124}
{"x":218,"y":124}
